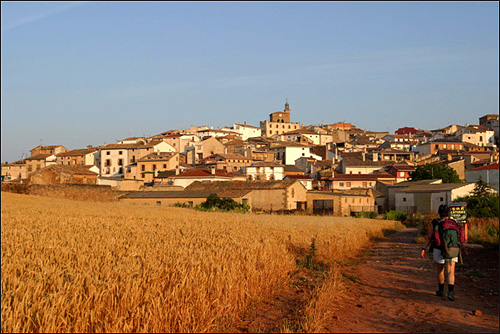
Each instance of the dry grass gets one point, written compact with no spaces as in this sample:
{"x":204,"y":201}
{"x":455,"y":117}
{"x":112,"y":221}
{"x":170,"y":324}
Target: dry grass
{"x":483,"y":231}
{"x":73,"y":266}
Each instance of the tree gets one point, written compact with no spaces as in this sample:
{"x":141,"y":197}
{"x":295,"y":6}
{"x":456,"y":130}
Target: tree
{"x":436,"y":171}
{"x":481,"y":189}
{"x":482,"y":203}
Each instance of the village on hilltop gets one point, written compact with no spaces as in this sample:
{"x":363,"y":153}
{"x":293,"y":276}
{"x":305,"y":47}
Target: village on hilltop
{"x":278,"y":166}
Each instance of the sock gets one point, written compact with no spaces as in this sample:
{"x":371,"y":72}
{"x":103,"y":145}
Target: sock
{"x":441,"y":287}
{"x":451,"y":287}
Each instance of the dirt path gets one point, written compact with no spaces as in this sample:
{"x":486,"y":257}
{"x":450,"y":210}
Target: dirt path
{"x":393,"y":290}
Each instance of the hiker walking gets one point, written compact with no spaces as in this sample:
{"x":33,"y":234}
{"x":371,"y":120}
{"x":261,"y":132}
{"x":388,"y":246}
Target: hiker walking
{"x":442,"y":252}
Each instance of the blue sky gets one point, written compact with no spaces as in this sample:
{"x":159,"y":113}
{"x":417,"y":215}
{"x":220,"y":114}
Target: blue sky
{"x":80,"y":73}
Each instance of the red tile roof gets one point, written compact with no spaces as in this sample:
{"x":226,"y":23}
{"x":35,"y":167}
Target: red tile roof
{"x":490,"y":166}
{"x":202,"y":172}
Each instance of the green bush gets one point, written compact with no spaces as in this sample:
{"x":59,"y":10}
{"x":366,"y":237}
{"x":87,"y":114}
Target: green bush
{"x":396,"y":215}
{"x":370,"y":214}
{"x":225,"y":204}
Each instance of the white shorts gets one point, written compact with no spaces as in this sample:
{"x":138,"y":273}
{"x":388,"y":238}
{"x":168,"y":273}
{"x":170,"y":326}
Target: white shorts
{"x":436,"y":253}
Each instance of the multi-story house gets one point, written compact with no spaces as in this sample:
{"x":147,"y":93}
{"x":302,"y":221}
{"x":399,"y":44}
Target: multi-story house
{"x":227,"y":162}
{"x":279,"y":123}
{"x":247,"y":131}
{"x":39,"y":161}
{"x":181,"y":142}
{"x":399,"y":142}
{"x":491,"y":122}
{"x":48,"y":149}
{"x":402,"y":172}
{"x":476,"y":134}
{"x":433,"y":147}
{"x":150,"y":165}
{"x":288,"y":153}
{"x":307,"y":136}
{"x":359,"y":163}
{"x":115,"y":157}
{"x":87,"y":156}
{"x":14,"y":171}
{"x":202,"y":149}
{"x":264,"y":171}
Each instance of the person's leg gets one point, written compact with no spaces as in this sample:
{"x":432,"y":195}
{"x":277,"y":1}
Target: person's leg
{"x":440,"y":273}
{"x":440,"y":279}
{"x":450,"y":268}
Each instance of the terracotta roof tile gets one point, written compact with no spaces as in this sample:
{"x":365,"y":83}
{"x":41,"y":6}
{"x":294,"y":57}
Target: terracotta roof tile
{"x":490,"y":166}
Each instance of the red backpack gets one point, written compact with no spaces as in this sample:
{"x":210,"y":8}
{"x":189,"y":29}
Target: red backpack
{"x":448,"y":236}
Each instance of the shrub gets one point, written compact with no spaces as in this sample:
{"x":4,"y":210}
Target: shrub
{"x":370,"y":214}
{"x":396,"y":215}
{"x":226,"y":204}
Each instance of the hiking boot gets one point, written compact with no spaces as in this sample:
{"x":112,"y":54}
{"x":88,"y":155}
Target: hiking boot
{"x":440,"y":293}
{"x":451,"y":295}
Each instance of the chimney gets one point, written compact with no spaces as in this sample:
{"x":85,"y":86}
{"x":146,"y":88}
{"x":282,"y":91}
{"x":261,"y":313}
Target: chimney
{"x":363,"y":154}
{"x":375,"y":156}
{"x":177,"y":170}
{"x":213,"y":171}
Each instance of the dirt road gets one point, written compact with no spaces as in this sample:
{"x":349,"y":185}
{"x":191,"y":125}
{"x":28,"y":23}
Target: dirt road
{"x":393,"y":290}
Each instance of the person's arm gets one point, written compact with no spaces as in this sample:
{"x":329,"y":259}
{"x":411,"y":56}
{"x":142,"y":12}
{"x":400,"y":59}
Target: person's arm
{"x":427,"y":241}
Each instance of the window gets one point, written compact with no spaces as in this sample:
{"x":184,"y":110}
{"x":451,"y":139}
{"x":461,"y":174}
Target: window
{"x":120,"y":162}
{"x":404,"y":199}
{"x":108,"y":163}
{"x":341,"y":184}
{"x":143,"y":168}
{"x":154,"y":168}
{"x":348,"y":184}
{"x":164,"y":166}
{"x":158,"y":202}
{"x":293,"y":192}
{"x":107,"y":152}
{"x":120,"y":152}
{"x":365,"y":184}
{"x":441,"y":199}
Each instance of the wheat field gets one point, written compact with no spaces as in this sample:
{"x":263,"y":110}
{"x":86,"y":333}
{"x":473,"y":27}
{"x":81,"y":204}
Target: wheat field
{"x":80,"y":266}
